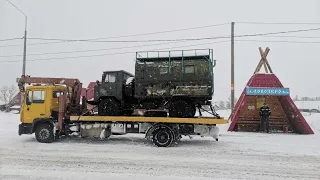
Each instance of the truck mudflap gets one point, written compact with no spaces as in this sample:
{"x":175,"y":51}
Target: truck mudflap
{"x":25,"y":129}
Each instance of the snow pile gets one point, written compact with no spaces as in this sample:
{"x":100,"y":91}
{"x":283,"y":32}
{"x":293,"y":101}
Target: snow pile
{"x":308,"y":104}
{"x":313,"y":119}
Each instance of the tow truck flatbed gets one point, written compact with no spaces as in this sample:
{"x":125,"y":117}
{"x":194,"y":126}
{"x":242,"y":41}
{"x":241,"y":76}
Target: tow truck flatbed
{"x":196,"y":120}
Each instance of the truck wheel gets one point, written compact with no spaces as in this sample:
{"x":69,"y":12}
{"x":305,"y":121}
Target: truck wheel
{"x":109,"y":107}
{"x":162,"y":137}
{"x":44,"y":133}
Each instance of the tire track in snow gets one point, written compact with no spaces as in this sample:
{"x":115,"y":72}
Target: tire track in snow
{"x":241,"y":166}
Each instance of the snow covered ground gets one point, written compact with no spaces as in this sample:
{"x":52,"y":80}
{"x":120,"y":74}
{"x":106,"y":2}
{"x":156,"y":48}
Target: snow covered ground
{"x":308,"y":104}
{"x":234,"y":156}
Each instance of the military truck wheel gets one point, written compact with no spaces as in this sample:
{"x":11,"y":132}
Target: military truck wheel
{"x":109,"y":107}
{"x":44,"y":133}
{"x":182,"y":109}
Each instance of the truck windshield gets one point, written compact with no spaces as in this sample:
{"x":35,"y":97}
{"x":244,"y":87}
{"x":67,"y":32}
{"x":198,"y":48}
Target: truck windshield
{"x":56,"y":94}
{"x":110,"y":77}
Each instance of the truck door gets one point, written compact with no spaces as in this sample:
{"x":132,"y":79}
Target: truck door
{"x":34,"y":106}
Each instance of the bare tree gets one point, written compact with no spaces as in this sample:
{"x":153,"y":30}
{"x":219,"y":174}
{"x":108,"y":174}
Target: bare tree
{"x":7,"y":93}
{"x":228,"y":103}
{"x":222,"y":105}
{"x":296,"y":98}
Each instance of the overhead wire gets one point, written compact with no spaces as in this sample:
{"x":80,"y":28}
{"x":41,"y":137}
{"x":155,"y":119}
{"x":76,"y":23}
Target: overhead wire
{"x":90,"y":50}
{"x":189,"y":39}
{"x":108,"y":54}
{"x":132,"y":52}
{"x":141,"y":34}
{"x":176,"y":30}
{"x":11,"y":39}
{"x":32,"y":44}
{"x":130,"y":41}
{"x":280,"y":32}
{"x":177,"y":40}
{"x":96,"y":40}
{"x":278,"y":23}
{"x":298,"y":42}
{"x":122,"y":36}
{"x":193,"y":45}
{"x":300,"y":37}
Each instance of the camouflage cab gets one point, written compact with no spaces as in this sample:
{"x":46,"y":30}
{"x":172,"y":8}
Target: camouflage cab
{"x":110,"y":92}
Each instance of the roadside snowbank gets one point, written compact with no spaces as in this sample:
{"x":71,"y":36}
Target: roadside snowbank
{"x":313,"y":120}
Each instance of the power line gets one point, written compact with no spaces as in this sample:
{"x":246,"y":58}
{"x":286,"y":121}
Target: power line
{"x":129,"y":41}
{"x":132,"y":35}
{"x":301,"y":42}
{"x":190,"y":39}
{"x":279,"y":23}
{"x":33,"y":44}
{"x":11,"y":39}
{"x":151,"y":33}
{"x":193,"y":45}
{"x":98,"y":55}
{"x":91,"y":50}
{"x":133,"y":52}
{"x":281,"y":32}
{"x":65,"y":40}
{"x":181,"y":40}
{"x":302,"y":37}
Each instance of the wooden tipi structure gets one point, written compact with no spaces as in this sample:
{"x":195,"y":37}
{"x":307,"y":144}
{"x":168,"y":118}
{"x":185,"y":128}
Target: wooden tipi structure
{"x":267,"y":88}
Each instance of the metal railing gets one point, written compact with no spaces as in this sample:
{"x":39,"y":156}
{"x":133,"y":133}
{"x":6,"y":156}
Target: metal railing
{"x":174,"y":53}
{"x":169,"y":55}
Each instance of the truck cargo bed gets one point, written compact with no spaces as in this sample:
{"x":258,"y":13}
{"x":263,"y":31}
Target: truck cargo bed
{"x":196,"y":120}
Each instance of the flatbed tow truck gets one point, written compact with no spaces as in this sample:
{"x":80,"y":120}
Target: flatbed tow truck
{"x":52,"y":109}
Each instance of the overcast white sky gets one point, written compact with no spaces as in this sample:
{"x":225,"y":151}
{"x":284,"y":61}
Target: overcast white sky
{"x":295,"y":64}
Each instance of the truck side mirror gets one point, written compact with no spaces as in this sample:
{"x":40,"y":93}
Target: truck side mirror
{"x":28,"y":102}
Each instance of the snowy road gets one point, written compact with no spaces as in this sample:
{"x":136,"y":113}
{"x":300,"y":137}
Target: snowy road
{"x":234,"y":156}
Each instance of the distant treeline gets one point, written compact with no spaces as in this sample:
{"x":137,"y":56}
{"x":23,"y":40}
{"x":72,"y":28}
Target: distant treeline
{"x":306,"y":98}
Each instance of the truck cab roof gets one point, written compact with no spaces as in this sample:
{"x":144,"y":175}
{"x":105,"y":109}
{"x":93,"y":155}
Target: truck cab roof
{"x":46,"y":87}
{"x":122,"y":71}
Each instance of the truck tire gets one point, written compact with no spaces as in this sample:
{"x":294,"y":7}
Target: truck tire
{"x":162,"y":136}
{"x":109,"y":107}
{"x":44,"y":133}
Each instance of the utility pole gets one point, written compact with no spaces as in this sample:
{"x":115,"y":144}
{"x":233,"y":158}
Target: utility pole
{"x":25,"y":49}
{"x":232,"y":65}
{"x":24,"y":46}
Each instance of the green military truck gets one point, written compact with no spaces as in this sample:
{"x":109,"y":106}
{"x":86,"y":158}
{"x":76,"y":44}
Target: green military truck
{"x":177,"y":82}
